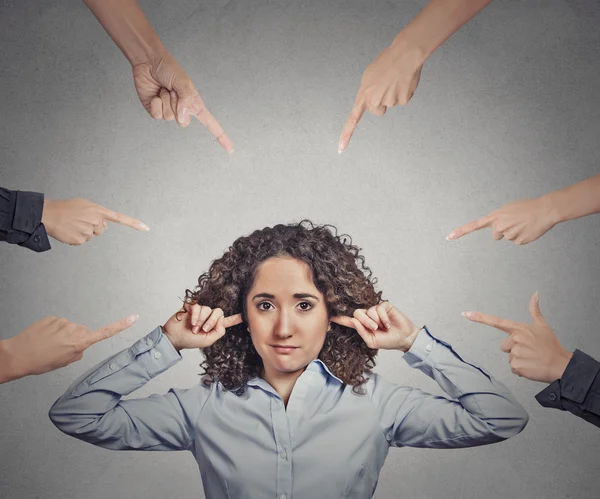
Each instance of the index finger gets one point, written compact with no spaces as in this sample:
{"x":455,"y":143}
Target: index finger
{"x":351,"y":124}
{"x":108,"y":331}
{"x":122,"y":219}
{"x":491,"y":320}
{"x":343,"y":320}
{"x":203,"y":115}
{"x":478,"y":224}
{"x":232,"y":320}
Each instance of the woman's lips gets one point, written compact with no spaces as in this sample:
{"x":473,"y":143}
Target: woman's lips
{"x":283,"y":349}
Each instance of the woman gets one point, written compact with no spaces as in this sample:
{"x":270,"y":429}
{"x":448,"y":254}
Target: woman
{"x":289,"y":406}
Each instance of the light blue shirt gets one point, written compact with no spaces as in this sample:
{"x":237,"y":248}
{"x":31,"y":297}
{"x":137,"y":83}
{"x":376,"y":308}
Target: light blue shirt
{"x":328,"y":443}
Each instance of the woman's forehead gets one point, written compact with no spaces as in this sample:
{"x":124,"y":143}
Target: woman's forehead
{"x":284,"y":273}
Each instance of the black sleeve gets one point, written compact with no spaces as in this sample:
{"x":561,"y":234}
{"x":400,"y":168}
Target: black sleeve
{"x":21,"y":219}
{"x":578,"y":391}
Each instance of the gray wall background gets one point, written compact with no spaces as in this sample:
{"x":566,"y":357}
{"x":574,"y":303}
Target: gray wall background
{"x":507,"y":109}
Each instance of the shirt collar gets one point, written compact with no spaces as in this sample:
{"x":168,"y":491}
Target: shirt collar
{"x":317,"y":366}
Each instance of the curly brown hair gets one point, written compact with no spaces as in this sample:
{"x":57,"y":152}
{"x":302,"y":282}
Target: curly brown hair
{"x":339,"y":273}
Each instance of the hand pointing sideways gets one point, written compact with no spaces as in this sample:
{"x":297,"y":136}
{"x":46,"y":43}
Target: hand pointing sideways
{"x":534,"y":351}
{"x":76,"y":221}
{"x":49,"y":344}
{"x":521,"y":222}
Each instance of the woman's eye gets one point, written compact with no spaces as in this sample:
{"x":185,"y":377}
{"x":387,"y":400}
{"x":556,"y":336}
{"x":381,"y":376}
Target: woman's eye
{"x":265,"y":305}
{"x":305,"y":305}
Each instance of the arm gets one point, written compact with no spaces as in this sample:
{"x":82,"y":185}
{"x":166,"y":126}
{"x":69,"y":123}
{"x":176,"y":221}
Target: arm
{"x":127,"y":25}
{"x":480,"y":410}
{"x":393,"y":77}
{"x":526,"y":220}
{"x":92,"y":409}
{"x":575,"y":201}
{"x":164,"y":88}
{"x":8,"y":372}
{"x":577,"y":390}
{"x":437,"y":22}
{"x":21,"y":219}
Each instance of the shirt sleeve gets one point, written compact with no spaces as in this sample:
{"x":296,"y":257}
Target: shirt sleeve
{"x":480,"y":411}
{"x":92,"y":410}
{"x":21,"y":219}
{"x":578,"y":391}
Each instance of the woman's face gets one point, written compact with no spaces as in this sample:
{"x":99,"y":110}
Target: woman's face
{"x":287,"y":316}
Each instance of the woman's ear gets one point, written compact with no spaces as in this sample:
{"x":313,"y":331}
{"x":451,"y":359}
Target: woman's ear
{"x":329,"y":327}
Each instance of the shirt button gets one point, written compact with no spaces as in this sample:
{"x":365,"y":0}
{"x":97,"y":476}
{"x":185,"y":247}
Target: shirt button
{"x":552,"y":396}
{"x":149,"y":342}
{"x":429,"y":347}
{"x":36,"y":239}
{"x":157,"y":355}
{"x":112,"y":367}
{"x":283,"y":455}
{"x":282,"y":496}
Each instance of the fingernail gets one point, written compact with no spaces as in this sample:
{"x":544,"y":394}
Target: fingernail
{"x":374,"y":326}
{"x":231,"y":152}
{"x":206,"y":328}
{"x":340,"y":148}
{"x":173,"y":94}
{"x":195,"y":330}
{"x":143,"y":226}
{"x":468,"y":315}
{"x":388,"y":325}
{"x":183,"y":115}
{"x":132,"y":318}
{"x":450,"y":236}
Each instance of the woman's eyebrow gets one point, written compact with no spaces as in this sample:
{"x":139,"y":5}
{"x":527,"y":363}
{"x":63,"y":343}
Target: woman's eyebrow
{"x":297,"y":295}
{"x":305,"y":295}
{"x":264,"y":295}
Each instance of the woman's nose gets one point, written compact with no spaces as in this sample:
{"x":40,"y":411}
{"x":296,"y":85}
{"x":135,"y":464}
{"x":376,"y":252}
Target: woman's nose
{"x":283,"y":327}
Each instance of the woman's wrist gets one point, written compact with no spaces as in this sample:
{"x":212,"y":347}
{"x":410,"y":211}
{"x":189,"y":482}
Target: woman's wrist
{"x":171,"y":339}
{"x":410,"y":339}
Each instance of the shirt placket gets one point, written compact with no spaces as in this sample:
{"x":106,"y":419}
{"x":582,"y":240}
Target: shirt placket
{"x":282,"y":442}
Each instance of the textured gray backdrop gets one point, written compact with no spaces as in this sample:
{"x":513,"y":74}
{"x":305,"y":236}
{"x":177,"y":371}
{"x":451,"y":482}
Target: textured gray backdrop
{"x":508,"y":108}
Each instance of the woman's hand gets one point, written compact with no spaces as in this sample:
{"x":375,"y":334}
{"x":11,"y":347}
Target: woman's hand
{"x":198,"y":326}
{"x":382,"y":326}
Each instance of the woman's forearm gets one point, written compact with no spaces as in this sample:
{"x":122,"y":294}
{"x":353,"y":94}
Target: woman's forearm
{"x":437,"y":22}
{"x":9,"y":364}
{"x":127,"y":25}
{"x":578,"y":200}
{"x":5,"y":364}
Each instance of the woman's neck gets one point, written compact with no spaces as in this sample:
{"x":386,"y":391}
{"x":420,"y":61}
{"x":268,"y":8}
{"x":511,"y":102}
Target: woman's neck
{"x":282,"y":383}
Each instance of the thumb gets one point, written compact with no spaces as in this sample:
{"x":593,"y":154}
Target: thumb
{"x":232,"y":320}
{"x":186,"y":96}
{"x":534,"y":309}
{"x":343,"y":320}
